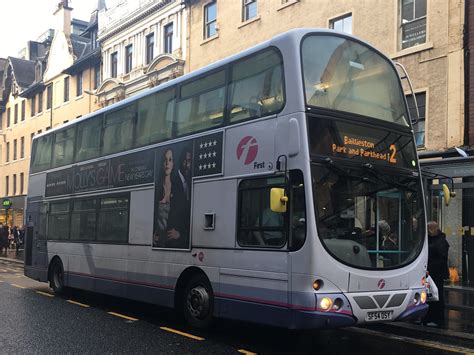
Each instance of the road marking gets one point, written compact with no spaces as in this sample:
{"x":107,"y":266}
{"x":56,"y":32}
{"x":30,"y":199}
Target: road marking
{"x":45,"y":293}
{"x":423,"y":343}
{"x":246,"y":352}
{"x":79,"y":304}
{"x":123,"y":316}
{"x":182,"y":333}
{"x":18,"y":286}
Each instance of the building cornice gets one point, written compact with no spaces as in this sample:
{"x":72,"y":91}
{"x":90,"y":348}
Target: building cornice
{"x":33,"y":89}
{"x":117,"y":29}
{"x":87,"y":61}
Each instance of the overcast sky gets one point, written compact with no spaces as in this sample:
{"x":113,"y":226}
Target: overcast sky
{"x":25,"y":20}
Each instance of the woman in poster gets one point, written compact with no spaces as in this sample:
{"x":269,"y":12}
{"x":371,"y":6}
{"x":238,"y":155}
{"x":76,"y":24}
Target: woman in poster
{"x":163,"y":196}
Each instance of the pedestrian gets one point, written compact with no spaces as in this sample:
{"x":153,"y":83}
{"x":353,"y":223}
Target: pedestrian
{"x":21,"y":238}
{"x":4,"y":233}
{"x":438,"y":269}
{"x":13,"y":236}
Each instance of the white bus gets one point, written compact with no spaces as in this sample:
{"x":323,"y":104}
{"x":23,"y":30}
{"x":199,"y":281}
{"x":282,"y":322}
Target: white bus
{"x":280,"y":185}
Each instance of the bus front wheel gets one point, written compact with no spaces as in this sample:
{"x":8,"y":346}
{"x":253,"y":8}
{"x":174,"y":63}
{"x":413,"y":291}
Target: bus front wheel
{"x":198,"y":302}
{"x":57,"y":277}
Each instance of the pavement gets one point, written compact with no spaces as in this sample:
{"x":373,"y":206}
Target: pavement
{"x":458,"y":330}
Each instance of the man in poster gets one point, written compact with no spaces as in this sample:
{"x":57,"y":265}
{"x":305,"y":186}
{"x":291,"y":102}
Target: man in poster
{"x":178,"y":226}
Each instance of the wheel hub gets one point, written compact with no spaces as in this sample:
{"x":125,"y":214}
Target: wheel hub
{"x":197,"y":302}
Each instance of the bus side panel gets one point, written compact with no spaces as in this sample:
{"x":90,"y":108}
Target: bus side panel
{"x":141,"y":217}
{"x":36,"y":250}
{"x":218,"y":200}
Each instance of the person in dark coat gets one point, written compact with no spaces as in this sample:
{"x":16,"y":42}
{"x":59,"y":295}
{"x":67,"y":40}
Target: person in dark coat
{"x":4,"y":233}
{"x":438,"y":269}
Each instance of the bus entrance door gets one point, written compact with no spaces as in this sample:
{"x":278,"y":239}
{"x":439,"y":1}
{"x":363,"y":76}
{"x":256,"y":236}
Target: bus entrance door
{"x":36,"y":253}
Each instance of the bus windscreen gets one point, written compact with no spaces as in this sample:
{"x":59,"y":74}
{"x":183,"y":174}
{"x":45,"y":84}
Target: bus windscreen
{"x":344,"y":75}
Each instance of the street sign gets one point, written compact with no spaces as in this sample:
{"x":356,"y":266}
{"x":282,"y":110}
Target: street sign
{"x":7,"y":203}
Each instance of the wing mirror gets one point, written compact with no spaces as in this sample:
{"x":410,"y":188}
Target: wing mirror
{"x":278,"y":200}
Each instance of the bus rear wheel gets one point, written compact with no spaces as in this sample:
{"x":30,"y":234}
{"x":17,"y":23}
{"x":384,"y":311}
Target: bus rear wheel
{"x":57,"y":277}
{"x":198,"y":302}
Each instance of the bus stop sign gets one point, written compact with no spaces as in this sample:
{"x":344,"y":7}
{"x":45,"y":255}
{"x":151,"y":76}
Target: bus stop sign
{"x":6,"y":203}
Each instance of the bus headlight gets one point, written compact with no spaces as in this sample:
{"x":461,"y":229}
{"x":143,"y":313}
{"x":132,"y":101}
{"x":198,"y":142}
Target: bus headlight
{"x":325,"y":304}
{"x":338,"y":303}
{"x":423,"y":297}
{"x":416,"y":300}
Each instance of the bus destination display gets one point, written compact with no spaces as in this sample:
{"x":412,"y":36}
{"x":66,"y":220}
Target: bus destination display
{"x":363,"y":144}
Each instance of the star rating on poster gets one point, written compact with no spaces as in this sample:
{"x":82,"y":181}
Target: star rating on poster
{"x":208,"y":144}
{"x":208,"y":154}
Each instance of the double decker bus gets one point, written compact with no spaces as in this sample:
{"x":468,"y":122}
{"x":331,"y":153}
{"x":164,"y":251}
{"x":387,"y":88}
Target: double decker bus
{"x":280,"y":186}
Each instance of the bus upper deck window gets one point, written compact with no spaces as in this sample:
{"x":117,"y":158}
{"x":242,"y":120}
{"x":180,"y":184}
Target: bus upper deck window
{"x":257,"y":86}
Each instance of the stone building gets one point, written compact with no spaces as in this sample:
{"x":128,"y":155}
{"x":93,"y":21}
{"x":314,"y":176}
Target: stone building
{"x":47,"y":88}
{"x":143,"y":44}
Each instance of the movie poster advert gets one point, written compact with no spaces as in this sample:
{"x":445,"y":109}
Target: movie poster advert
{"x":129,"y":170}
{"x":173,"y":182}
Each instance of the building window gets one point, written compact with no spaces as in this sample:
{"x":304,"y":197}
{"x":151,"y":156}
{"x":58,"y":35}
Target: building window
{"x":8,"y":153}
{"x":128,"y":58}
{"x":40,"y":102}
{"x":150,"y":44}
{"x":22,"y":183}
{"x":168,"y":38}
{"x":33,"y":106}
{"x":94,"y":42}
{"x":113,"y":65}
{"x":79,"y":84}
{"x":15,"y":146}
{"x":413,"y":22}
{"x":249,"y":10}
{"x":96,"y":76}
{"x":9,"y":112}
{"x":31,"y":137}
{"x":66,"y":89}
{"x":419,"y":127}
{"x":16,"y":114}
{"x":7,"y":185}
{"x":210,"y":19}
{"x":49,"y":97}
{"x":23,"y":110}
{"x":22,"y":147}
{"x":14,"y":184}
{"x":342,"y":24}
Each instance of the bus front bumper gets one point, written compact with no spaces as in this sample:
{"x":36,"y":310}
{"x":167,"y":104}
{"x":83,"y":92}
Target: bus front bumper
{"x":318,"y":319}
{"x":35,"y":273}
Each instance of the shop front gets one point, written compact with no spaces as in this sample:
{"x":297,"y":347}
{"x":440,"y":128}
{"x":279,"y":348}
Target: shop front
{"x":455,"y":218}
{"x":12,"y":210}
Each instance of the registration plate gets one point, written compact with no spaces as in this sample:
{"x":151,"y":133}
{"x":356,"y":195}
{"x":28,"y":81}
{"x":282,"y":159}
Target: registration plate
{"x":380,"y":315}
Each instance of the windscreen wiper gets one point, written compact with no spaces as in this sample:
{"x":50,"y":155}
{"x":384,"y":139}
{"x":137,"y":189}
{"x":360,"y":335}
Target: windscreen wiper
{"x":370,"y":168}
{"x":329,"y":163}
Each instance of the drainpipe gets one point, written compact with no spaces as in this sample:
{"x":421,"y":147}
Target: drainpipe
{"x":51,"y":107}
{"x":466,"y":72}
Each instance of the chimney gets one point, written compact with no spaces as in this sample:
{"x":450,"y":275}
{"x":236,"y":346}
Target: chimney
{"x":63,"y":17}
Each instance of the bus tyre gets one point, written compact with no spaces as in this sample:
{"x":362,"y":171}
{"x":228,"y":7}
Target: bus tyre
{"x":57,"y":277}
{"x":198,"y":302}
